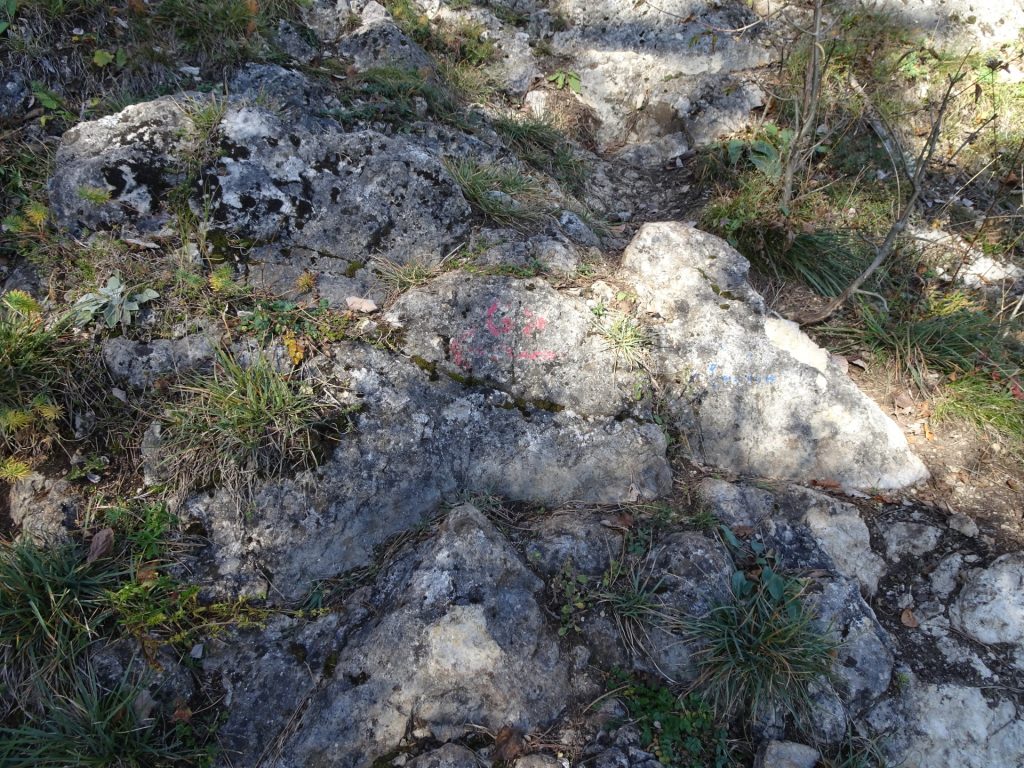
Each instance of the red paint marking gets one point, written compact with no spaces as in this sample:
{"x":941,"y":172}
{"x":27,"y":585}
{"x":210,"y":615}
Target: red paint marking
{"x":506,"y":322}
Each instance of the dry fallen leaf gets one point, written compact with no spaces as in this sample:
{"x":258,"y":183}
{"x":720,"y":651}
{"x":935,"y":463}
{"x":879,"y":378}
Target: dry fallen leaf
{"x":908,"y":619}
{"x":508,"y":744}
{"x":182,"y":714}
{"x":101,"y":545}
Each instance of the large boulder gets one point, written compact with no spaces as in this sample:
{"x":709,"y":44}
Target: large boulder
{"x":752,"y":393}
{"x":461,"y":640}
{"x":416,"y":442}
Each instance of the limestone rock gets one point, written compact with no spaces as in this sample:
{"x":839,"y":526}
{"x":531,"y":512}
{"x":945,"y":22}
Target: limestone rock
{"x":460,"y":639}
{"x":786,"y":754}
{"x":520,"y":336}
{"x":137,"y":364}
{"x":990,"y":607}
{"x":133,"y":158}
{"x":416,"y":442}
{"x":949,"y":724}
{"x":749,"y":396}
{"x":44,"y":509}
{"x":448,"y":756}
{"x":643,"y":69}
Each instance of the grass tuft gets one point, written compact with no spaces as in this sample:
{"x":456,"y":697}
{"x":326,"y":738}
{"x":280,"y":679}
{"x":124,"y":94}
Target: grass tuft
{"x":539,"y":144}
{"x":505,"y":195}
{"x":92,"y":726}
{"x":242,"y":423}
{"x":626,"y":337}
{"x":761,"y":650}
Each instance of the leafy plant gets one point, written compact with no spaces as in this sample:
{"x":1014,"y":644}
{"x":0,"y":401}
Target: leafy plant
{"x":562,"y":80}
{"x":681,"y":731}
{"x":570,"y":588}
{"x":114,"y":302}
{"x":9,"y":8}
{"x":763,"y":649}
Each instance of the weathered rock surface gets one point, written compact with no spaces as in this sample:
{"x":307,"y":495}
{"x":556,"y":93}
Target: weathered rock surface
{"x":44,"y":509}
{"x":416,"y":442}
{"x":647,"y":71}
{"x":952,"y":725}
{"x":137,"y":364}
{"x":461,"y":640}
{"x":519,"y":336}
{"x":812,"y":528}
{"x":786,"y":754}
{"x":751,"y":393}
{"x":990,"y":607}
{"x":133,"y":158}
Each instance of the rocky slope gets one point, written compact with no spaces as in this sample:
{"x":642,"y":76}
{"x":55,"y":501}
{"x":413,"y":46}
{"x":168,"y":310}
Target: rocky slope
{"x":602,"y":399}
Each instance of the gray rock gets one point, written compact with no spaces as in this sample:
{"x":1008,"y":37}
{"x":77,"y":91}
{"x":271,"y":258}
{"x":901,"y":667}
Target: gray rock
{"x":537,"y":760}
{"x":944,"y":577}
{"x":268,"y":676}
{"x":963,"y":525}
{"x":693,"y":575}
{"x":864,"y":659}
{"x":643,"y":68}
{"x":133,"y":157}
{"x":43,"y":509}
{"x":909,"y":539}
{"x":448,"y":756}
{"x":990,"y":607}
{"x":520,"y":336}
{"x":378,"y":42}
{"x":460,"y":639}
{"x":577,"y":230}
{"x":809,"y":528}
{"x":416,"y":442}
{"x":341,"y":195}
{"x":750,"y":393}
{"x":15,"y":96}
{"x":158,"y":672}
{"x":138,"y":365}
{"x":950,"y":724}
{"x":786,"y":754}
{"x":572,"y":538}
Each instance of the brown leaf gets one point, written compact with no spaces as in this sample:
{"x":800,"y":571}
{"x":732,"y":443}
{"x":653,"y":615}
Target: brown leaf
{"x":182,"y":714}
{"x":621,"y":520}
{"x":908,"y":619}
{"x":743,"y":531}
{"x":827,"y":484}
{"x":146,"y":574}
{"x":101,"y":545}
{"x":508,"y":744}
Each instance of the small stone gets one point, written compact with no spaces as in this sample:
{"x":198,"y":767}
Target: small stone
{"x":964,"y":525}
{"x":786,"y":754}
{"x":357,"y":304}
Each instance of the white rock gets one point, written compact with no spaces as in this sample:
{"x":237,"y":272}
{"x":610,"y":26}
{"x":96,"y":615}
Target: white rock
{"x":990,"y":607}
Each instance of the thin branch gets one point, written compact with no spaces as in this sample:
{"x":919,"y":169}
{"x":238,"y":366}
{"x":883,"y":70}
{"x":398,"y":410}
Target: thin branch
{"x":889,"y":244}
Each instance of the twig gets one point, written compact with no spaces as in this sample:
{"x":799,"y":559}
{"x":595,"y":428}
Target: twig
{"x":888,"y":245}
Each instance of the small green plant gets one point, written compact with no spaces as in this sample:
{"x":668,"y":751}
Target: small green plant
{"x":503,"y":194}
{"x":89,"y":725}
{"x":399,"y":278}
{"x":561,"y":80}
{"x":570,"y":588}
{"x":51,"y":604}
{"x":244,"y":422}
{"x":94,"y":195}
{"x":763,"y":649}
{"x":626,"y":337}
{"x":681,"y":731}
{"x":115,"y":303}
{"x":7,"y":8}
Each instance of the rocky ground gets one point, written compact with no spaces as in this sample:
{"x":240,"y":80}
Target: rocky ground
{"x":561,"y":447}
